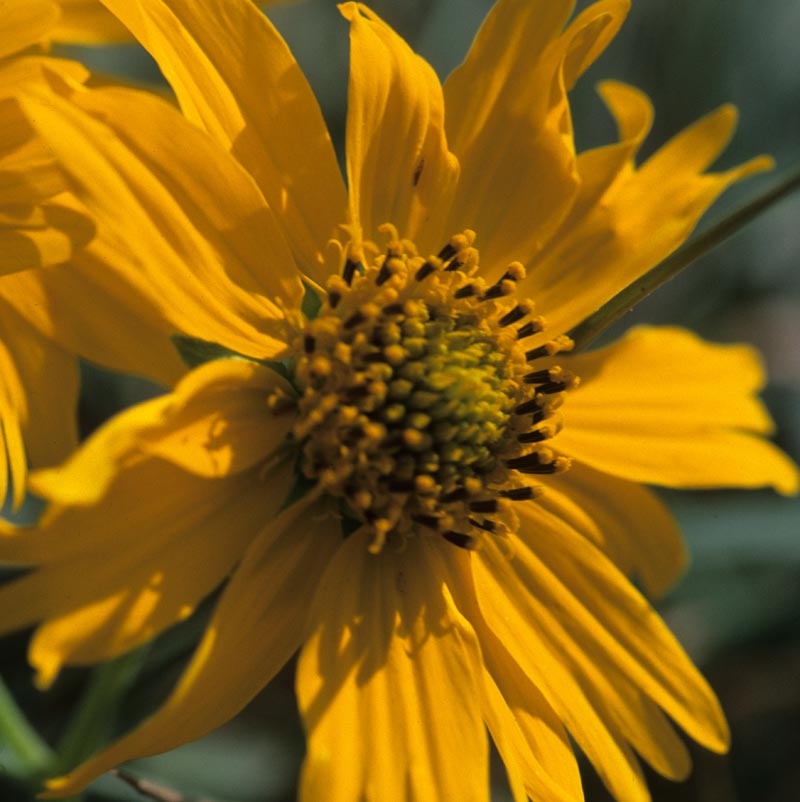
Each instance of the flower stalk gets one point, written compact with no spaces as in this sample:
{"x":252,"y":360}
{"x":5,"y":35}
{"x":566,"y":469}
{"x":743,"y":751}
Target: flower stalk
{"x":91,"y":725}
{"x":34,"y":755}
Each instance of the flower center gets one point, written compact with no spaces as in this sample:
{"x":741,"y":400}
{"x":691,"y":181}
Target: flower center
{"x":418,"y":406}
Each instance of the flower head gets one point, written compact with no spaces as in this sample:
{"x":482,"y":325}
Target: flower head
{"x":388,"y":449}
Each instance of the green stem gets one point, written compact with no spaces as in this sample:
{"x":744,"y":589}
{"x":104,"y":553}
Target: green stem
{"x":15,"y":730}
{"x":91,"y":725}
{"x":623,"y":302}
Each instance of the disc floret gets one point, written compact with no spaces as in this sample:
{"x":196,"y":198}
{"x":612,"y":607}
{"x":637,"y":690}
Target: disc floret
{"x":417,"y":406}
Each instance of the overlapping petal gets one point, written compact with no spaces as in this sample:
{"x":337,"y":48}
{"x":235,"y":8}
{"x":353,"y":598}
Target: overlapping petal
{"x":261,"y":614}
{"x":509,"y":122}
{"x":387,"y":647}
{"x":215,"y":424}
{"x":581,"y":633}
{"x":399,"y":168}
{"x":39,"y":224}
{"x":87,"y":22}
{"x":234,"y":75}
{"x":197,"y":238}
{"x":158,"y":506}
{"x":623,"y":519}
{"x":625,"y":222}
{"x":664,"y":407}
{"x":38,"y":400}
{"x":25,"y":23}
{"x":531,"y":741}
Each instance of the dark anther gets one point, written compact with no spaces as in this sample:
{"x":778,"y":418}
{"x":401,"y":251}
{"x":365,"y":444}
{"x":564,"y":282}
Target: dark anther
{"x":448,"y":252}
{"x":393,"y":309}
{"x":465,"y":291}
{"x":529,"y":329}
{"x":518,"y":493}
{"x":349,"y":271}
{"x":536,"y":353}
{"x":485,"y":524}
{"x":537,"y":377}
{"x":459,"y":494}
{"x":357,"y":317}
{"x":426,"y":269}
{"x":431,"y":521}
{"x":530,"y":463}
{"x":309,"y":343}
{"x":333,"y":299}
{"x":495,"y":291}
{"x":551,"y":387}
{"x":527,"y":406}
{"x":401,"y":485}
{"x":458,"y":539}
{"x":536,"y":436}
{"x":486,"y":505}
{"x":517,"y":313}
{"x":456,"y":264}
{"x":384,"y":274}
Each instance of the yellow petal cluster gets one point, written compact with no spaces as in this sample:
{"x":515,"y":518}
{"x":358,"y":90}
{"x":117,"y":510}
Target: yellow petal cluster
{"x":41,"y":225}
{"x":216,"y":224}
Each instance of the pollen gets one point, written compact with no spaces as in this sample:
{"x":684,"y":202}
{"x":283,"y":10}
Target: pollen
{"x":420,"y":407}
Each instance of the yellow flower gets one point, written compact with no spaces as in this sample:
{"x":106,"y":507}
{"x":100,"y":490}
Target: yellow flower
{"x":379,"y":466}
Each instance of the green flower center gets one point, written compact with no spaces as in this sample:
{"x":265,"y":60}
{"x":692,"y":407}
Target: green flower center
{"x":418,"y":407}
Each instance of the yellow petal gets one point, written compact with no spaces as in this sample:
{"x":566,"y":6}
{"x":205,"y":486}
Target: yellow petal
{"x":527,"y":666}
{"x":38,"y":400}
{"x":87,"y":22}
{"x":527,"y":731}
{"x":627,"y":223}
{"x":399,"y":168}
{"x":607,"y":615}
{"x":664,"y":407}
{"x":22,"y":72}
{"x":526,"y":776}
{"x":12,"y":450}
{"x":627,"y":521}
{"x":50,"y":240}
{"x":600,"y":167}
{"x":25,"y":23}
{"x":523,"y":740}
{"x":509,"y":123}
{"x":234,"y":76}
{"x":597,"y":647}
{"x":28,"y":172}
{"x":191,"y":222}
{"x":260,"y":614}
{"x":135,"y":562}
{"x":218,"y":421}
{"x":214,"y":424}
{"x":389,"y":683}
{"x":126,"y":330}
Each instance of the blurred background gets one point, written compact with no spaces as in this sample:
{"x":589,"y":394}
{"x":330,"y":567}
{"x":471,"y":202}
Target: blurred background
{"x":736,"y":610}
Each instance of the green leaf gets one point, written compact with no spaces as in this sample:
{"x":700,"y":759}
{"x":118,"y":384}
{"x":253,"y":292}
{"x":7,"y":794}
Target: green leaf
{"x":349,"y":522}
{"x":635,"y":293}
{"x":194,"y":351}
{"x":311,"y":302}
{"x":301,"y":486}
{"x":284,"y":368}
